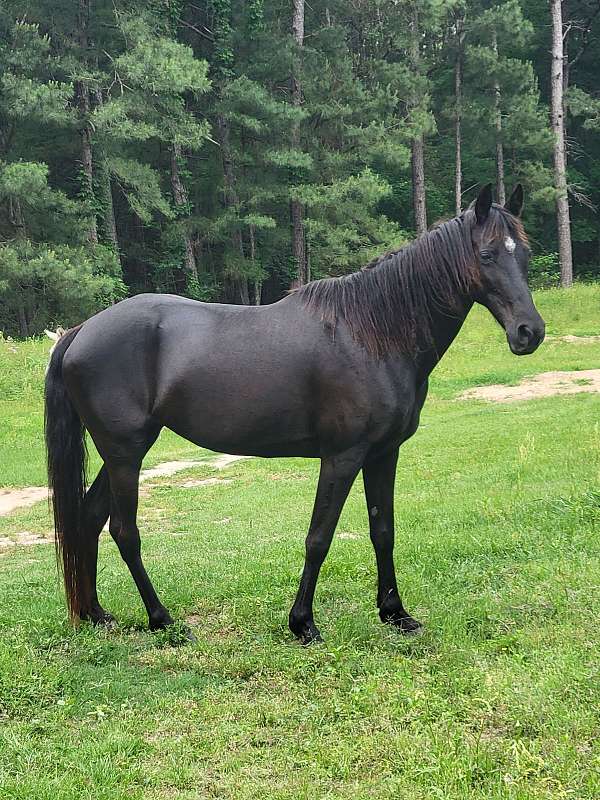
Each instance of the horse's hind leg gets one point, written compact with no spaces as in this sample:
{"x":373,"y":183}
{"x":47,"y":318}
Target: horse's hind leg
{"x":124,"y":480}
{"x":96,"y":508}
{"x":379,"y":479}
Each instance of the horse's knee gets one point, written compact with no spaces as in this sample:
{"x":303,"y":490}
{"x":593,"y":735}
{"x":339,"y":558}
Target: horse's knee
{"x":318,"y":544}
{"x":382,"y":536}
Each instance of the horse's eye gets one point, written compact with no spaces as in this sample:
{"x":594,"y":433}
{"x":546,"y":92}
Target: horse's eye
{"x":486,"y":255}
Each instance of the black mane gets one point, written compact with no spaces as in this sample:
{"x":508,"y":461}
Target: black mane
{"x":387,"y":304}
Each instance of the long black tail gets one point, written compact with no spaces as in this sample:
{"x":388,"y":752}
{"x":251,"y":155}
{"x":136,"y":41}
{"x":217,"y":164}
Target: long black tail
{"x":66,"y":453}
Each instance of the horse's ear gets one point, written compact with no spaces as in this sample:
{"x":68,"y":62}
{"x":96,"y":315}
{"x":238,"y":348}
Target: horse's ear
{"x":514,"y":204}
{"x":483,"y":204}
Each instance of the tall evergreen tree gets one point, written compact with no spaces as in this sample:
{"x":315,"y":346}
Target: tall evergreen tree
{"x":558,"y":127}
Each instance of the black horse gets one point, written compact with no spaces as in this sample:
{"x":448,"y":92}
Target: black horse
{"x":337,"y":370}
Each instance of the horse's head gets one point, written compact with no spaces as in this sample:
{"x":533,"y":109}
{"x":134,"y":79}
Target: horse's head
{"x":501,"y":246}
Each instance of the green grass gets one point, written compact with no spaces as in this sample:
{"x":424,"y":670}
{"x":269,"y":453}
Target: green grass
{"x":498,"y":514}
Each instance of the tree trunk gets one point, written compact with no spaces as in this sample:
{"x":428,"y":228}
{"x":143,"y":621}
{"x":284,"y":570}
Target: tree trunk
{"x":23,"y":326}
{"x":296,"y":207}
{"x":257,"y":283}
{"x":231,"y":198}
{"x":110,"y":224}
{"x":417,"y":147}
{"x":500,"y":184}
{"x":82,"y":91}
{"x":458,"y":121}
{"x":180,"y":198}
{"x":108,"y":208}
{"x":418,"y":182}
{"x":15,"y":217}
{"x":563,"y":221}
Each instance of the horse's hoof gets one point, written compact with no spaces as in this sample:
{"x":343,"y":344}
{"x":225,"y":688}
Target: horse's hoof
{"x":108,"y":622}
{"x":310,"y":635}
{"x":406,"y":625}
{"x":101,"y":619}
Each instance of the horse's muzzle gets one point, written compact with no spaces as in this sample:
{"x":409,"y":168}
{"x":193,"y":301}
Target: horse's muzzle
{"x":526,"y":337}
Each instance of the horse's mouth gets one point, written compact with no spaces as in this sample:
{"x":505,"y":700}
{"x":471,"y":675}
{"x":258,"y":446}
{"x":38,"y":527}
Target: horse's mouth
{"x":526,"y":340}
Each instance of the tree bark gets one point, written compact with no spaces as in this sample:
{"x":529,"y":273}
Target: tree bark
{"x":180,"y":198}
{"x":232,"y":199}
{"x":257,"y":283}
{"x":296,"y":207}
{"x":108,"y":208}
{"x":500,"y":182}
{"x":15,"y":216}
{"x":418,"y":182}
{"x":82,"y":91}
{"x":563,"y":221}
{"x":458,"y":119}
{"x":23,"y":326}
{"x":417,"y":147}
{"x":110,"y":224}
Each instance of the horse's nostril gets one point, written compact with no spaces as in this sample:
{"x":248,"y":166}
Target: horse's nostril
{"x":524,"y":333}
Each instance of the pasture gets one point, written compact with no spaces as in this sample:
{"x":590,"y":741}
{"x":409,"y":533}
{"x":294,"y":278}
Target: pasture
{"x":497,"y":552}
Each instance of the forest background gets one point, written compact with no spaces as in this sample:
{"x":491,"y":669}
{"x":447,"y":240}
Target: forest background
{"x":227,"y":150}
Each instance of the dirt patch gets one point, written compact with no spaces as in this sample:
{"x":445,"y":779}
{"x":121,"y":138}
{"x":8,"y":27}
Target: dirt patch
{"x":11,"y":499}
{"x":574,"y":339}
{"x":224,"y":460}
{"x":544,"y":385}
{"x":166,"y":469}
{"x":204,"y":482}
{"x":24,"y":538}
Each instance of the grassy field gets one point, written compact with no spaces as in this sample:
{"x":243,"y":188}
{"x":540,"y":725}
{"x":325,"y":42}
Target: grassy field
{"x":498,"y":516}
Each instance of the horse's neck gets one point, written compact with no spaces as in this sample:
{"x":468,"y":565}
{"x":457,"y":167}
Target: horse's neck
{"x":445,"y":326}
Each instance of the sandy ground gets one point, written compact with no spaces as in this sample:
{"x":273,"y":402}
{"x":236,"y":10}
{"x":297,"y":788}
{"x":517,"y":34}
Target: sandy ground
{"x":13,"y":499}
{"x":542,"y":385}
{"x":573,"y":339}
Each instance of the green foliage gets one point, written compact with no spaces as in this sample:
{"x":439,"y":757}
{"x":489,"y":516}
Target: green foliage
{"x":582,"y":104}
{"x":544,"y":270}
{"x":141,"y":186}
{"x":42,"y":286}
{"x":157,"y":65}
{"x":168,"y":131}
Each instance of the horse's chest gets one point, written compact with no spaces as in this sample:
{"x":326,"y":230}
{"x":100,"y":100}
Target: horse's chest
{"x":400,"y":416}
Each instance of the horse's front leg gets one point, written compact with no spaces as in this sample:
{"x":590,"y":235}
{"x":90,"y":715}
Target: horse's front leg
{"x":379,"y":478}
{"x":335,"y":481}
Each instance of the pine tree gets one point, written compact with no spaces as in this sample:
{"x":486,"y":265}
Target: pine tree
{"x":558,"y":127}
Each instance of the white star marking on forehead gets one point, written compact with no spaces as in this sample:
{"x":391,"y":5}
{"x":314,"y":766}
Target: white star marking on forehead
{"x":510,"y":244}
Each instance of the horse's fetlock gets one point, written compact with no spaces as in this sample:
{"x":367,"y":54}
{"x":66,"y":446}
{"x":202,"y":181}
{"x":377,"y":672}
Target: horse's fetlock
{"x":390,"y":607}
{"x":299,"y":621}
{"x":159,"y":619}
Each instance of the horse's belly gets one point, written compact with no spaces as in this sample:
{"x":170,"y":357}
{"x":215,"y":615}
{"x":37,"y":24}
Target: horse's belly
{"x":242,"y":420}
